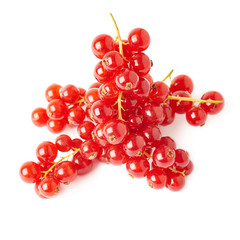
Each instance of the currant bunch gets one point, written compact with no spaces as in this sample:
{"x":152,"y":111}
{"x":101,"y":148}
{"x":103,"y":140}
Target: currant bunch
{"x":118,"y":119}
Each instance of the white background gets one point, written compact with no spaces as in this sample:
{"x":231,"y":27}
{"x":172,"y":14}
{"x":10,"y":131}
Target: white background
{"x":42,"y":42}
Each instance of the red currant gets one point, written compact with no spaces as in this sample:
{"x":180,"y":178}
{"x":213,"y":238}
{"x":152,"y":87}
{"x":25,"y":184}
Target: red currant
{"x":85,"y":129}
{"x":181,"y":158}
{"x":180,"y":107}
{"x":76,"y":115}
{"x":175,"y":181}
{"x":49,"y":186}
{"x":63,"y":143}
{"x":52,"y":92}
{"x":181,"y":83}
{"x":82,"y":165}
{"x":138,"y":167}
{"x":65,"y":172}
{"x":98,"y":135}
{"x":112,"y":61}
{"x":39,"y":117}
{"x":46,"y":152}
{"x":159,"y":92}
{"x":89,"y":150}
{"x":139,"y":39}
{"x":196,"y":116}
{"x":116,"y":155}
{"x":30,"y":172}
{"x":163,"y":156}
{"x":157,"y":178}
{"x":56,"y":109}
{"x":140,"y":63}
{"x":56,"y":126}
{"x":152,"y":134}
{"x":152,"y":113}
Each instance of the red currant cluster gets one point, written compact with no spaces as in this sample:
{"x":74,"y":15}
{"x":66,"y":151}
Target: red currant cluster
{"x":118,"y":120}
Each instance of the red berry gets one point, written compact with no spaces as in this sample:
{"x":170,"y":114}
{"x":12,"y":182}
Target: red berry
{"x":76,"y":115}
{"x":82,"y":165}
{"x":134,"y":121}
{"x":163,"y":156}
{"x":212,"y":108}
{"x":153,"y":113}
{"x":181,"y":158}
{"x":169,"y":114}
{"x":30,"y":172}
{"x":188,"y":169}
{"x":152,"y":134}
{"x":180,"y":107}
{"x":101,"y":45}
{"x":116,"y":155}
{"x":52,"y":92}
{"x":115,"y":131}
{"x":112,"y":61}
{"x":63,"y":143}
{"x":36,"y":188}
{"x":159,"y":92}
{"x":175,"y":181}
{"x":85,"y":129}
{"x":69,"y":93}
{"x":168,"y":142}
{"x":56,"y":109}
{"x":101,"y":74}
{"x":138,"y":167}
{"x":56,"y":126}
{"x":134,"y":145}
{"x":48,"y":187}
{"x":39,"y":117}
{"x":181,"y":83}
{"x":46,"y":152}
{"x":157,"y":178}
{"x":98,"y":135}
{"x":196,"y":116}
{"x":139,"y":39}
{"x":89,"y":150}
{"x":65,"y":172}
{"x":108,"y":92}
{"x":91,"y":96}
{"x":140,"y":63}
{"x":76,"y":143}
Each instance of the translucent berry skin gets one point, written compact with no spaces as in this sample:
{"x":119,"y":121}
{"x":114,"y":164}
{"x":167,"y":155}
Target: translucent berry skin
{"x":157,"y":178}
{"x":112,"y":61}
{"x":76,"y":143}
{"x":89,"y":150}
{"x":108,"y":92}
{"x":181,"y":83}
{"x":102,"y":44}
{"x":76,"y":115}
{"x":127,"y":80}
{"x":152,"y":113}
{"x":152,"y":134}
{"x":116,"y":155}
{"x":134,"y":121}
{"x":56,"y":126}
{"x":181,"y":158}
{"x":115,"y":131}
{"x":52,"y":92}
{"x":46,"y":152}
{"x":63,"y":143}
{"x":138,"y":167}
{"x":169,"y":114}
{"x":163,"y":156}
{"x":49,"y":187}
{"x":56,"y":109}
{"x":196,"y":116}
{"x":102,"y":75}
{"x":180,"y":107}
{"x":98,"y":135}
{"x":91,"y":96}
{"x":142,"y":90}
{"x":102,"y":111}
{"x":140,"y":63}
{"x":85,"y":129}
{"x":65,"y":172}
{"x":139,"y":39}
{"x":36,"y":188}
{"x":168,"y":142}
{"x":69,"y":93}
{"x":82,"y":165}
{"x":212,"y":108}
{"x":30,"y":172}
{"x":159,"y":92}
{"x":175,"y":181}
{"x":188,"y":169}
{"x":134,"y":145}
{"x":39,"y":117}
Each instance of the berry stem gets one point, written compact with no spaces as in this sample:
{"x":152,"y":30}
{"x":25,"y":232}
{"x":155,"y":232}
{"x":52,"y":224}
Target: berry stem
{"x":176,"y":171}
{"x":55,"y":163}
{"x":120,"y":42}
{"x":168,"y":76}
{"x":193,"y":99}
{"x":147,"y":155}
{"x":120,"y":108}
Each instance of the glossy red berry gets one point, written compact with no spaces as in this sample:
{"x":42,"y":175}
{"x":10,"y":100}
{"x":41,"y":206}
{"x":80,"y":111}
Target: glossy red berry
{"x":196,"y":116}
{"x":53,"y":92}
{"x":82,"y":165}
{"x":188,"y":169}
{"x":101,"y":111}
{"x":134,"y":145}
{"x":112,"y":61}
{"x":30,"y":172}
{"x":157,"y":178}
{"x":212,"y":108}
{"x":140,"y":63}
{"x":108,"y":92}
{"x":85,"y":129}
{"x":159,"y":92}
{"x":102,"y":44}
{"x":63,"y":143}
{"x":76,"y":115}
{"x":139,"y":39}
{"x":152,"y":113}
{"x":76,"y":143}
{"x":65,"y":172}
{"x":163,"y":156}
{"x":127,"y":80}
{"x":91,"y":96}
{"x":142,"y":90}
{"x":39,"y":117}
{"x":89,"y":150}
{"x":98,"y":135}
{"x":175,"y":181}
{"x":115,"y":131}
{"x":56,"y":109}
{"x":181,"y":83}
{"x":49,"y":187}
{"x":138,"y":167}
{"x":46,"y":152}
{"x":181,"y":158}
{"x":101,"y":74}
{"x":180,"y":107}
{"x":69,"y":93}
{"x":135,"y":121}
{"x":152,"y":134}
{"x":168,"y":142}
{"x":169,"y":114}
{"x":116,"y":155}
{"x":56,"y":126}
